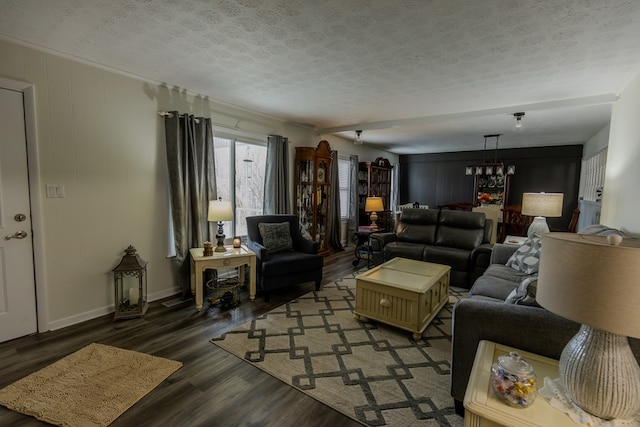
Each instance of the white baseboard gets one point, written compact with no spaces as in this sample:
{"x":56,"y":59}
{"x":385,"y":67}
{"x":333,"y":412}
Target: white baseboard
{"x":98,"y":312}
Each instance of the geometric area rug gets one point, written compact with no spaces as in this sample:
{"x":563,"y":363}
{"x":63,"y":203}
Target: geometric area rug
{"x":374,"y":373}
{"x":91,"y":387}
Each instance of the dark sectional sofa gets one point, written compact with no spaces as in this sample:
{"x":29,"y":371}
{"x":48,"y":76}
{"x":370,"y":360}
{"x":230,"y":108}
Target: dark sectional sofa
{"x":484,"y":315}
{"x":459,"y":239}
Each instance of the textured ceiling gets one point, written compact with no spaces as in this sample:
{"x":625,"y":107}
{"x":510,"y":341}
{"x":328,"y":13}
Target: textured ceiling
{"x":416,"y":75}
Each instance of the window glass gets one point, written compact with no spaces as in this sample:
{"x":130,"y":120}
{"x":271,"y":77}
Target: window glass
{"x":240,"y":169}
{"x":222,"y":154}
{"x":344,"y":184}
{"x":250,"y":165}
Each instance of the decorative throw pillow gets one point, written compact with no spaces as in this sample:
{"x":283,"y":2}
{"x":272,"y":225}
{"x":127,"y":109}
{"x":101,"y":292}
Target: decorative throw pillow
{"x":525,"y":293}
{"x":527,"y":258}
{"x":276,"y":236}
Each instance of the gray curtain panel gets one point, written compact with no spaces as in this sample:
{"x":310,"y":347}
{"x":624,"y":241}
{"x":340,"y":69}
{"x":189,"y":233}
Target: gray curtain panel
{"x":192,"y":183}
{"x":353,"y":195}
{"x":276,"y":179}
{"x":333,"y":214}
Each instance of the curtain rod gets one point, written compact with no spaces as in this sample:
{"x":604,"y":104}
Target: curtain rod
{"x":168,"y":114}
{"x":221,"y":126}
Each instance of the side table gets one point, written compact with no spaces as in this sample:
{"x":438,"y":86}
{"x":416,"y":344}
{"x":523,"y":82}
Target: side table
{"x":362,"y":250}
{"x":485,"y":409}
{"x":232,"y":257}
{"x":514,"y":240}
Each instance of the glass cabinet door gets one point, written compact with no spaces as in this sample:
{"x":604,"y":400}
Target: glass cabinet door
{"x":312,"y":192}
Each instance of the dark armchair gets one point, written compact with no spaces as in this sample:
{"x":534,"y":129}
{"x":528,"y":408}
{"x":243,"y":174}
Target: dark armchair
{"x":283,"y":266}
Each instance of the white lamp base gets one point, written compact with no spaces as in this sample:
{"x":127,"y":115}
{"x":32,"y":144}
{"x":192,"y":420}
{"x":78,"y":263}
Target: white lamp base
{"x":374,"y":218}
{"x":539,"y":226}
{"x":601,"y":374}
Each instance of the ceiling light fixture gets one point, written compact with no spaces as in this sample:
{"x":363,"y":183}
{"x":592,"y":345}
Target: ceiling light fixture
{"x":490,"y":167}
{"x":518,"y":117}
{"x":358,"y":140}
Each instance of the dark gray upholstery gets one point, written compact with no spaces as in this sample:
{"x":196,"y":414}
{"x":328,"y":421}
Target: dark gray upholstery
{"x":455,"y":238}
{"x":484,"y":315}
{"x":282,"y":269}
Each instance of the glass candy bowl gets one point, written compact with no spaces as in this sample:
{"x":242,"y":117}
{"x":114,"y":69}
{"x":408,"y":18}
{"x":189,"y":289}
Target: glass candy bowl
{"x":513,"y":380}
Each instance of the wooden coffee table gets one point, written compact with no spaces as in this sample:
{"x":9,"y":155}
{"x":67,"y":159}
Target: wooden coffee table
{"x":404,"y":293}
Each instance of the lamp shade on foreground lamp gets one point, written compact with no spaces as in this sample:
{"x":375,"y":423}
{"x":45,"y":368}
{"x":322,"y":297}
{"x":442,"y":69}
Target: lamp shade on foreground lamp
{"x":595,"y":281}
{"x":220,"y":211}
{"x":374,"y":205}
{"x":541,"y":206}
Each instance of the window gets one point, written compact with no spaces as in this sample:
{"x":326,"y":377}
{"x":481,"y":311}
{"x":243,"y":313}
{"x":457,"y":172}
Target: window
{"x":240,"y":169}
{"x":344,"y":179}
{"x":251,"y":161}
{"x":593,"y":176}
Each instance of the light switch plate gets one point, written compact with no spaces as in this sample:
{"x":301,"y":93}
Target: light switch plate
{"x":55,"y":190}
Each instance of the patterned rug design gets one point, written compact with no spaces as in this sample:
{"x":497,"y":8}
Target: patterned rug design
{"x":374,"y":373}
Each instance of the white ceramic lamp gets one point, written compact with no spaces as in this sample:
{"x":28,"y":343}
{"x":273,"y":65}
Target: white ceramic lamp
{"x":374,"y":205}
{"x":596,"y":282}
{"x":220,"y":211}
{"x":541,"y":206}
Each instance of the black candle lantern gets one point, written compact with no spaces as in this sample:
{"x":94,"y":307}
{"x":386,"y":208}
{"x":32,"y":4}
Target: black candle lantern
{"x":130,"y":282}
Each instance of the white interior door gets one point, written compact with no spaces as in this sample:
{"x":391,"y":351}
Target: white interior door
{"x":17,"y":283}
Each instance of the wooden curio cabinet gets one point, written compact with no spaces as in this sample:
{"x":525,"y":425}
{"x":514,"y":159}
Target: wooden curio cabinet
{"x":492,"y":180}
{"x":374,"y":179}
{"x":312,"y":192}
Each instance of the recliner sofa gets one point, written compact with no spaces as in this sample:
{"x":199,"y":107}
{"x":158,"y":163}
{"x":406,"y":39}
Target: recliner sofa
{"x":456,"y":238}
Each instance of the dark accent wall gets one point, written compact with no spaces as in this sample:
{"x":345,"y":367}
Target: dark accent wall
{"x":438,"y":179}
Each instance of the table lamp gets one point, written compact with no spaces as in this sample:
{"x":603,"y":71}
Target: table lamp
{"x":220,"y":211}
{"x":374,"y":205}
{"x":541,"y":206}
{"x":595,"y":281}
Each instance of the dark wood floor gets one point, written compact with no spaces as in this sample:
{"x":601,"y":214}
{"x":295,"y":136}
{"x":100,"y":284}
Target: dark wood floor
{"x":213,"y":388}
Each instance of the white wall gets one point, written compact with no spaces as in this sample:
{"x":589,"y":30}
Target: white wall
{"x":346,"y":147}
{"x":597,"y":142}
{"x":99,"y":134}
{"x":621,"y":199}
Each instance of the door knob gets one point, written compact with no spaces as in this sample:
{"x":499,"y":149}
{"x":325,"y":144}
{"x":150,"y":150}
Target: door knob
{"x":19,"y":235}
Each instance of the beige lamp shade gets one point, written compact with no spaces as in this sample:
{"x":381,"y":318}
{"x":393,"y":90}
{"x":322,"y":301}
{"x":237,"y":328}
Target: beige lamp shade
{"x":586,"y":279}
{"x":220,"y":210}
{"x":373,"y":204}
{"x":542,"y":204}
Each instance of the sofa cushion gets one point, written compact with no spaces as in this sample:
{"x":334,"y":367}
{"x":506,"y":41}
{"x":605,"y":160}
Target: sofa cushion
{"x":404,"y":250}
{"x":492,"y":287}
{"x":289,"y":263}
{"x":527,"y":258}
{"x":458,"y":259}
{"x":276,"y":236}
{"x":525,"y":293}
{"x":417,"y":226}
{"x":461,"y":229}
{"x":507,"y":273}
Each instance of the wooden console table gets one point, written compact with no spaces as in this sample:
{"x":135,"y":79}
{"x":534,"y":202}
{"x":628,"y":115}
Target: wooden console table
{"x":231,"y":258}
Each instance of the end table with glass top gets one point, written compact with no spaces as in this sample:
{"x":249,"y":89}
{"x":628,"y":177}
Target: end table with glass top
{"x":231,"y":258}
